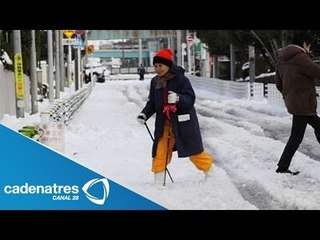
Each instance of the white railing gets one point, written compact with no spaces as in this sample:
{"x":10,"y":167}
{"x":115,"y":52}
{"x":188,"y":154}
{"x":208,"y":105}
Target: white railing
{"x":221,"y":87}
{"x":128,"y":77}
{"x":259,"y":91}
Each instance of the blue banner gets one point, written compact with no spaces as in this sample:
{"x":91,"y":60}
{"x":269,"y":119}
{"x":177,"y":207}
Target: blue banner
{"x":34,"y":177}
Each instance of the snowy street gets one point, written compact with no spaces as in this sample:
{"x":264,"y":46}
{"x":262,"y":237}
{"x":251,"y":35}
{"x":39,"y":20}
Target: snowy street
{"x":245,"y":137}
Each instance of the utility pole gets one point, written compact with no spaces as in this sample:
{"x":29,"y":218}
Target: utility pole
{"x":50,"y":66}
{"x":179,"y":52}
{"x":18,"y":74}
{"x":188,"y":53}
{"x":122,"y":55}
{"x":251,"y":68}
{"x":171,"y":41}
{"x":69,"y":65}
{"x":57,"y":65}
{"x":85,"y":59}
{"x":62,"y":66}
{"x":140,"y":52}
{"x":33,"y":74}
{"x":232,"y":63}
{"x":77,"y":68}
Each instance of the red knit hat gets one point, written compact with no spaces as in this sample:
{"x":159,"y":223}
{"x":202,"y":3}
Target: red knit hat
{"x":164,"y":56}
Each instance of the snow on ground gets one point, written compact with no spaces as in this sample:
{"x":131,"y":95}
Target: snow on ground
{"x":245,"y":137}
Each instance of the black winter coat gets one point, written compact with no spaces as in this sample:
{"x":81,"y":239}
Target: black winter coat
{"x":184,"y":121}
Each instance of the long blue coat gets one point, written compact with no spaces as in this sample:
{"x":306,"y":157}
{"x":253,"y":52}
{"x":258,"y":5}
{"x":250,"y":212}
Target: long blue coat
{"x":184,"y":121}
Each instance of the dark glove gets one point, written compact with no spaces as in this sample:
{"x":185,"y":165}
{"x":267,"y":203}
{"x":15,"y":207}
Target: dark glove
{"x":141,"y":118}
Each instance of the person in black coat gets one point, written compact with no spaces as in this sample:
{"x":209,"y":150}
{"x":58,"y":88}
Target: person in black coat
{"x":141,"y":72}
{"x":172,"y":98}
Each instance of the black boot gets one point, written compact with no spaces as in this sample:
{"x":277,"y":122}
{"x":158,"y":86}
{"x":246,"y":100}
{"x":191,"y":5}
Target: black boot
{"x":283,"y":170}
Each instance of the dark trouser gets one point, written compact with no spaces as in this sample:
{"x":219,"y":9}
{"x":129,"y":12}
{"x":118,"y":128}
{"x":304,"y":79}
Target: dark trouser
{"x":299,"y":124}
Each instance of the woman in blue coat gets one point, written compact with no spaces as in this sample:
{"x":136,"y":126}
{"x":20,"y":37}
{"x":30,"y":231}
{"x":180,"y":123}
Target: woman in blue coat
{"x":172,"y":99}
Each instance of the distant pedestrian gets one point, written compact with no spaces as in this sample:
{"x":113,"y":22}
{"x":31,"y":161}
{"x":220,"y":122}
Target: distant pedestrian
{"x":295,"y":79}
{"x":172,"y":98}
{"x":141,"y":72}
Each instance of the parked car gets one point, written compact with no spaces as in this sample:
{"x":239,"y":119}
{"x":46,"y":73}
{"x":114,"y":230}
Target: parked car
{"x":98,"y":70}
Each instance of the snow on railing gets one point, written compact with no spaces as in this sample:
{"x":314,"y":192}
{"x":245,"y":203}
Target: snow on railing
{"x":62,"y":110}
{"x":274,"y":96}
{"x":259,"y":91}
{"x":221,"y":87}
{"x":128,"y":77}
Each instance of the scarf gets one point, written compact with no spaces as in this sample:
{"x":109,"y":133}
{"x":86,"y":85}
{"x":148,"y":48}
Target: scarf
{"x":162,"y":81}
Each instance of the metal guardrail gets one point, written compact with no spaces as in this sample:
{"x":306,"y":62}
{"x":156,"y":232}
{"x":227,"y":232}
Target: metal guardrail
{"x":62,"y":110}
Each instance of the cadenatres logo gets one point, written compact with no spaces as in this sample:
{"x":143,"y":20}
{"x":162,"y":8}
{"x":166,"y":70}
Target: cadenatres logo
{"x":96,"y":190}
{"x":105,"y":185}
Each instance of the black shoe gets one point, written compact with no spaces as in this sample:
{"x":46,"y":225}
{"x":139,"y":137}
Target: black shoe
{"x":281,"y":170}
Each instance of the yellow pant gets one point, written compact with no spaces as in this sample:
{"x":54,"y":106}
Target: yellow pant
{"x":203,"y":161}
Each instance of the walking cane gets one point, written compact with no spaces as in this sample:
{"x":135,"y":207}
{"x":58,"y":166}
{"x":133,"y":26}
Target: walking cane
{"x":167,"y":170}
{"x":167,"y":157}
